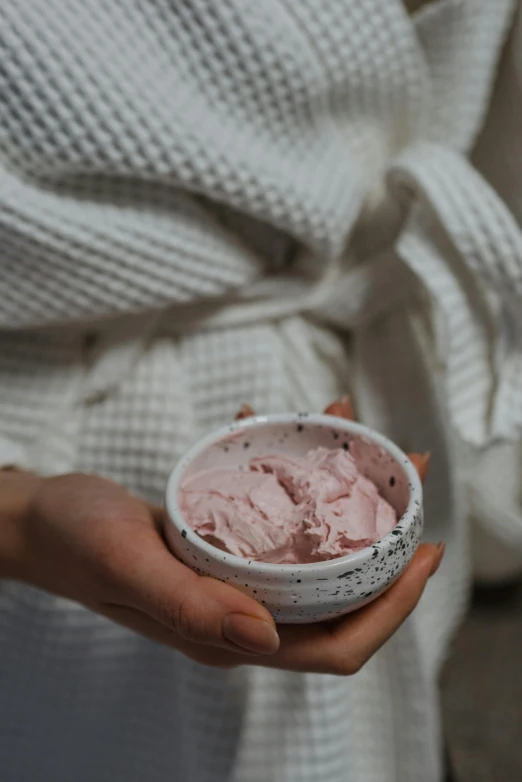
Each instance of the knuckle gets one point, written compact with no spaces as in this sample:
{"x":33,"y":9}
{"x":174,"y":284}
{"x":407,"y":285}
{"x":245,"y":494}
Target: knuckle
{"x":182,"y":618}
{"x":108,"y":561}
{"x":109,"y":573}
{"x":188,"y":619}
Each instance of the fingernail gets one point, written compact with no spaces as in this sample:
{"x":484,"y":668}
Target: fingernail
{"x":441,"y":547}
{"x":250,"y":633}
{"x":343,"y":408}
{"x":421,"y":462}
{"x":245,"y":411}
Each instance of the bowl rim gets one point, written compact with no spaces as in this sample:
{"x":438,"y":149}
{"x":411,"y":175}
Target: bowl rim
{"x":175,"y":515}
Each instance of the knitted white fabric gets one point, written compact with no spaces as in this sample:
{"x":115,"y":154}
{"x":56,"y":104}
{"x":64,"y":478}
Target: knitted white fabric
{"x":203,"y":204}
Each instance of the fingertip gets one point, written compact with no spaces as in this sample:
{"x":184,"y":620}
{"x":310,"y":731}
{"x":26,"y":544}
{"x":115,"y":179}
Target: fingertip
{"x":425,"y":554}
{"x":341,"y":408}
{"x":245,"y":411}
{"x":437,"y":559}
{"x":250,"y":633}
{"x":421,"y":462}
{"x":260,"y":612}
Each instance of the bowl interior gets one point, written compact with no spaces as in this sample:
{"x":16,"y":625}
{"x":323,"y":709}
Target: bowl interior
{"x":376,"y":457}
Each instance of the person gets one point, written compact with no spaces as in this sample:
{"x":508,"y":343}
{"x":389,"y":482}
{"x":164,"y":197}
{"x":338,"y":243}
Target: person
{"x":205,"y":204}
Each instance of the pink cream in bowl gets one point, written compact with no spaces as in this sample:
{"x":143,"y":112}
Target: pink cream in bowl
{"x":312,"y":515}
{"x":286,"y":509}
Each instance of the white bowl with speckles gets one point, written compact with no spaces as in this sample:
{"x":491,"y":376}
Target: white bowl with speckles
{"x":321,"y":590}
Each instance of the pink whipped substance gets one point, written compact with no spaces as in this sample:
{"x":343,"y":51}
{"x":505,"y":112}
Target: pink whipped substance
{"x":286,"y":510}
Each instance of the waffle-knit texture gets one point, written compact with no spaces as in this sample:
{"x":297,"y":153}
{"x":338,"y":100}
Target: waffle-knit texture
{"x":206,"y":203}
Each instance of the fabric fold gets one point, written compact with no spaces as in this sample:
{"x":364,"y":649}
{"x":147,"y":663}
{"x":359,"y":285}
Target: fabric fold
{"x":466,"y":247}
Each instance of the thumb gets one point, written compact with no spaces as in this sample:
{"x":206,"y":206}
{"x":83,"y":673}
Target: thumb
{"x":198,"y":609}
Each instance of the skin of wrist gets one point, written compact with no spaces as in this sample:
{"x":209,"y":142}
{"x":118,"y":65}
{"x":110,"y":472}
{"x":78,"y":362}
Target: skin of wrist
{"x":17,"y":489}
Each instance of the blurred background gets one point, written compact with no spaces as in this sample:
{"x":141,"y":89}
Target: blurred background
{"x":482,"y":689}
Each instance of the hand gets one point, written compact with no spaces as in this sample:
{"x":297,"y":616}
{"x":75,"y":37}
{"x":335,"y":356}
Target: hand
{"x":87,"y":539}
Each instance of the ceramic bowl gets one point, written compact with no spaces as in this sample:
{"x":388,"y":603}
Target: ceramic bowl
{"x":320,"y":590}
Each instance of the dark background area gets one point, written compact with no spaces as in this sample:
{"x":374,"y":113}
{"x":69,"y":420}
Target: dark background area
{"x":482,"y":690}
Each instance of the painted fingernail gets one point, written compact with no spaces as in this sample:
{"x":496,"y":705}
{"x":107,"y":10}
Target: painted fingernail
{"x":244,"y":412}
{"x":342,"y":408}
{"x":421,"y":462}
{"x":441,"y":547}
{"x":254,"y":635}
